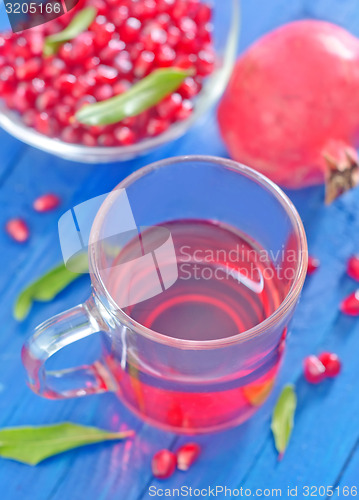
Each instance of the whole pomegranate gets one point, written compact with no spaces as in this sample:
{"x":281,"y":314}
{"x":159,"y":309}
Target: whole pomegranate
{"x":291,"y":109}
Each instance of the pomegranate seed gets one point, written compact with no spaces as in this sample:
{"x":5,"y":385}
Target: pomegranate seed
{"x":47,"y":99}
{"x":205,"y":64}
{"x":145,"y":9}
{"x":125,"y":136}
{"x":106,"y":140}
{"x":204,"y":34}
{"x":203,"y":14}
{"x":173,"y":36}
{"x":64,"y":113}
{"x":188,"y":26}
{"x":185,"y":61}
{"x":65,"y":52}
{"x":103,"y":37}
{"x":29,"y":117}
{"x":53,"y":68}
{"x":169,"y":106}
{"x":157,"y":126}
{"x":91,"y":63}
{"x":165,"y":56}
{"x":353,"y":267}
{"x":164,"y":464}
{"x":189,"y":88}
{"x":187,"y":455}
{"x":106,"y":74}
{"x":86,"y":99}
{"x":18,"y":230}
{"x":130,"y":30}
{"x":82,"y":47}
{"x":314,"y":370}
{"x":29,"y":69}
{"x":153,"y":36}
{"x":121,"y":87}
{"x":120,"y":15}
{"x":114,"y":48}
{"x":165,"y":5}
{"x":46,"y":202}
{"x":24,"y":97}
{"x":70,"y":134}
{"x":89,"y":140}
{"x":103,"y":92}
{"x":331,"y":363}
{"x":45,"y":124}
{"x":65,"y":83}
{"x":179,"y":9}
{"x":313,"y":264}
{"x":143,"y":63}
{"x":123,"y":62}
{"x":350,"y":305}
{"x":185,"y":110}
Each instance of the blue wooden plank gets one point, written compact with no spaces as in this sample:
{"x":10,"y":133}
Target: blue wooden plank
{"x":349,"y":477}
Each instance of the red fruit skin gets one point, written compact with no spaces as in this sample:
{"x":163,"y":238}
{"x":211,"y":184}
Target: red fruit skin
{"x":18,"y":230}
{"x":46,"y":202}
{"x":187,"y":455}
{"x":280,"y":111}
{"x":331,"y":363}
{"x":350,"y":305}
{"x":313,"y":264}
{"x":164,"y":464}
{"x":353,"y":267}
{"x":314,"y":370}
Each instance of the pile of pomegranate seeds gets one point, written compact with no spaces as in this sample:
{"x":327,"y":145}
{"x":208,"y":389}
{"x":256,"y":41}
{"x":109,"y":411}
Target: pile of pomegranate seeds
{"x":126,"y":41}
{"x":316,"y":369}
{"x":313,"y":264}
{"x":164,"y":462}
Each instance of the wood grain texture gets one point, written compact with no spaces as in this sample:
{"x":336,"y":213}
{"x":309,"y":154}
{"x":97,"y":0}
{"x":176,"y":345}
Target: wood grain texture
{"x":324,"y":448}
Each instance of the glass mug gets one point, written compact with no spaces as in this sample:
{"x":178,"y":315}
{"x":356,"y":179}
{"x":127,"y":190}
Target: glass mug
{"x":197,"y":346}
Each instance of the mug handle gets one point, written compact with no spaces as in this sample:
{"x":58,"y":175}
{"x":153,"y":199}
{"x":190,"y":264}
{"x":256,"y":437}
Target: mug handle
{"x":50,"y":337}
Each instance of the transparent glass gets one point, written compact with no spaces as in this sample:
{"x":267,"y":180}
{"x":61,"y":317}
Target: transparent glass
{"x":226,"y":32}
{"x":180,"y":384}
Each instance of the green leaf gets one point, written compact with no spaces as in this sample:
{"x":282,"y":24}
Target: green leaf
{"x":31,"y":445}
{"x":141,"y":96}
{"x":79,"y":23}
{"x":47,"y":286}
{"x":283,"y":418}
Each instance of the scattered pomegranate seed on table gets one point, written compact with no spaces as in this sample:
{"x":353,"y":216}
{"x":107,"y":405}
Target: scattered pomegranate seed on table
{"x":18,"y":230}
{"x":46,"y":202}
{"x":350,"y":305}
{"x":187,"y":455}
{"x":331,"y":363}
{"x":164,"y":464}
{"x":314,"y":370}
{"x":353,"y":267}
{"x":124,"y":43}
{"x":313,"y":265}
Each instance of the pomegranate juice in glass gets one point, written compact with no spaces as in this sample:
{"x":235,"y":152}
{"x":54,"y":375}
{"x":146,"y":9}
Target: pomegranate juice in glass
{"x":193,"y":295}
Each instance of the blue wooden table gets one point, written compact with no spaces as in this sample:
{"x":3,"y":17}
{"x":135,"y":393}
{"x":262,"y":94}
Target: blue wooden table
{"x":324,"y":449}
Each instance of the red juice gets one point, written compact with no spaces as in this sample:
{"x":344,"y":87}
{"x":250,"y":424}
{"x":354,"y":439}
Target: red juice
{"x":226,"y":285}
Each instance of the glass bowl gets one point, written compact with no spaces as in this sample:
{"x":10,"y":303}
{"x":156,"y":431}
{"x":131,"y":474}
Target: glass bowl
{"x":225,"y":32}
